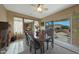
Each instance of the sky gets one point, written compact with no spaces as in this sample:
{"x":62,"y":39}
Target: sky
{"x":66,"y":23}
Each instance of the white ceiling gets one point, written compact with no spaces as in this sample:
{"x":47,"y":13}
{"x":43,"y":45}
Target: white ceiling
{"x":27,"y":9}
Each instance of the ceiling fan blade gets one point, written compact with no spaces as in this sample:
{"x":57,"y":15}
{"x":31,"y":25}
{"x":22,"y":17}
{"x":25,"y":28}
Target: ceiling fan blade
{"x":34,"y":5}
{"x":45,"y":8}
{"x":38,"y":5}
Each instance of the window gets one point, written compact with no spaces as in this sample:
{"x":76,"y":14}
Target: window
{"x":18,"y":25}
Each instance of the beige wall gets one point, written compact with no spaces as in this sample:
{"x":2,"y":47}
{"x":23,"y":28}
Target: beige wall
{"x":75,"y":30}
{"x":3,"y":15}
{"x":11,"y":15}
{"x":62,"y":14}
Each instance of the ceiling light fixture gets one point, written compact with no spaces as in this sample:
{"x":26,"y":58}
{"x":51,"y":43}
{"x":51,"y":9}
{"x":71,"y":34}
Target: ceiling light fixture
{"x":39,"y":7}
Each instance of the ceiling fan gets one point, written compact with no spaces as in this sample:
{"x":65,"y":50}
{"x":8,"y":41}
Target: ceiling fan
{"x":39,"y":7}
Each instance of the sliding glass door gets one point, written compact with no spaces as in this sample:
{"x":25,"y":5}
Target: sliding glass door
{"x":62,"y":31}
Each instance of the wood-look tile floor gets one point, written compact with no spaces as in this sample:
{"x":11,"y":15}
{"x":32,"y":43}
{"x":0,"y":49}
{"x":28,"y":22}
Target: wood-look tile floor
{"x":56,"y":50}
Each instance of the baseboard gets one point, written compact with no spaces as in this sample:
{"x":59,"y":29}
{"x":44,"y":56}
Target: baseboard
{"x":67,"y":46}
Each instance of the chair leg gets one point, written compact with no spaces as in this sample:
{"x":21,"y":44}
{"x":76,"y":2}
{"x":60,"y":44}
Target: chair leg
{"x":47,"y":44}
{"x":30,"y":48}
{"x":35,"y":50}
{"x":52,"y":43}
{"x":41,"y":50}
